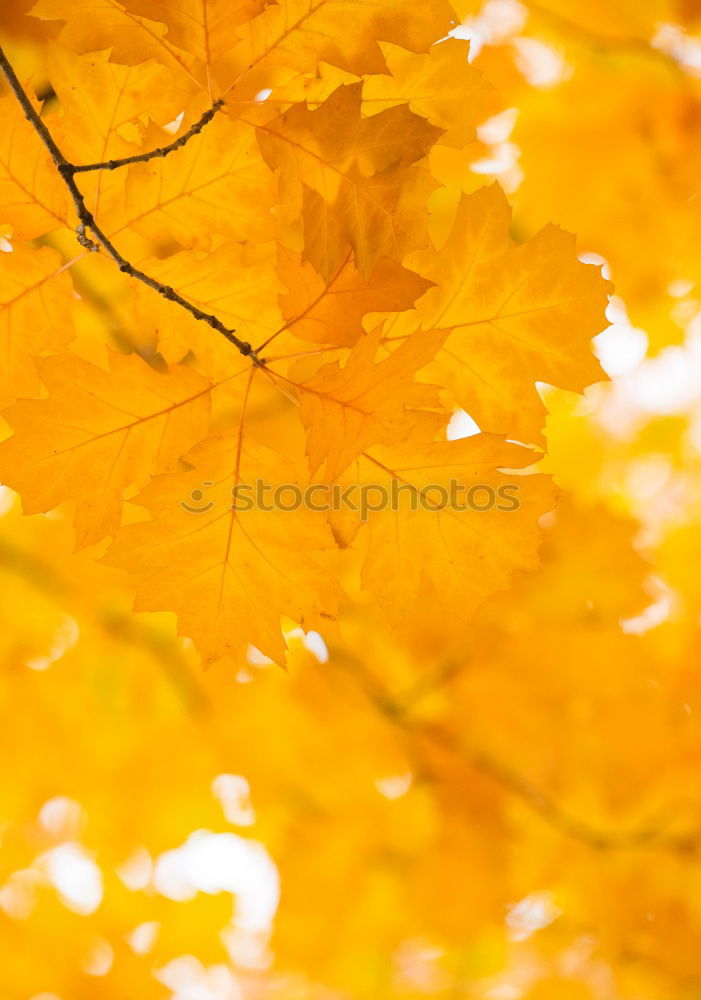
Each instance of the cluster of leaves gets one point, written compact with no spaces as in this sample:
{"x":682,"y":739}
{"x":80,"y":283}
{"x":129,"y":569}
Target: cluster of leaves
{"x":468,"y":770}
{"x":300,"y":217}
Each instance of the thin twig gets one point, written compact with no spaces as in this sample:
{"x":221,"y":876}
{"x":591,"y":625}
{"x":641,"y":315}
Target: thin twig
{"x":86,"y":220}
{"x":121,"y":625}
{"x":601,"y":42}
{"x":540,"y":802}
{"x":153,"y":154}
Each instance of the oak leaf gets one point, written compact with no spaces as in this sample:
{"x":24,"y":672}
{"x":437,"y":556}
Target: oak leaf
{"x":365,"y":402}
{"x":463,"y":555}
{"x":354,"y":180}
{"x":99,"y":432}
{"x":33,"y":199}
{"x":220,"y":180}
{"x":333,"y":312}
{"x":440,"y":86}
{"x":35,"y":295}
{"x":229,"y":574}
{"x":513,"y":315}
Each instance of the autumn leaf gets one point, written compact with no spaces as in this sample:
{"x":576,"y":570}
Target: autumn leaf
{"x":333,"y":312}
{"x":357,"y":184}
{"x":229,"y":574}
{"x":222,"y":179}
{"x":33,"y":199}
{"x":348,"y":408}
{"x":441,"y":87}
{"x":302,"y":33}
{"x":205,"y":34}
{"x":513,"y":315}
{"x":99,"y":432}
{"x":299,"y":34}
{"x":230,"y":280}
{"x":108,"y":25}
{"x":36,"y":293}
{"x":464,"y":554}
{"x":105,"y":110}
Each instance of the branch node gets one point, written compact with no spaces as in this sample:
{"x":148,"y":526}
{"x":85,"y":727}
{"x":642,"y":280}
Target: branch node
{"x":85,"y":240}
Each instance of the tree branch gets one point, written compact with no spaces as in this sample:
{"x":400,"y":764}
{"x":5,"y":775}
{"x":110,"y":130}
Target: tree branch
{"x":509,"y":779}
{"x":162,"y":151}
{"x":87,"y":223}
{"x":598,"y":41}
{"x":123,"y":626}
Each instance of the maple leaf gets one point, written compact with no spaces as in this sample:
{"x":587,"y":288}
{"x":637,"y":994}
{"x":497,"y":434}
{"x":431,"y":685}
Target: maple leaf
{"x":332,"y":312}
{"x":512,"y":314}
{"x":33,"y":199}
{"x":99,"y":432}
{"x":297,"y":33}
{"x":464,"y":554}
{"x":302,"y":33}
{"x":99,"y":25}
{"x":35,"y":294}
{"x":352,"y":179}
{"x":229,"y":574}
{"x":105,"y":110}
{"x":220,"y":180}
{"x":441,"y":87}
{"x":528,"y":761}
{"x":347,"y":409}
{"x":237,"y":282}
{"x":205,"y":32}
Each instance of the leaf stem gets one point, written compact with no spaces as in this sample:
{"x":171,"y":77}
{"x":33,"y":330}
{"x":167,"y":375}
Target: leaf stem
{"x":87,"y":223}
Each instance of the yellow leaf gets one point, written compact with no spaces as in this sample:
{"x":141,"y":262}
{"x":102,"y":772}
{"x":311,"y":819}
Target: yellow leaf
{"x":33,"y":198}
{"x":302,"y":33}
{"x":99,"y":432}
{"x":206,"y":30}
{"x":347,"y":409}
{"x":441,"y":87}
{"x":99,"y":25}
{"x":229,"y":281}
{"x":229,"y":574}
{"x":35,"y":294}
{"x":513,"y":315}
{"x":465,"y":555}
{"x":104,"y":113}
{"x":220,"y":180}
{"x":352,"y":178}
{"x":332,"y":313}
